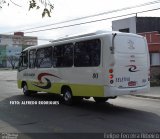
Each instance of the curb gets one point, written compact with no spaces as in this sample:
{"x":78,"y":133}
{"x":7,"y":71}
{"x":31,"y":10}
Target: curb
{"x":151,"y":97}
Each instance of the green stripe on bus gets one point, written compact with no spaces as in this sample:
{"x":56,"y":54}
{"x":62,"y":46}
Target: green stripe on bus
{"x":77,"y":89}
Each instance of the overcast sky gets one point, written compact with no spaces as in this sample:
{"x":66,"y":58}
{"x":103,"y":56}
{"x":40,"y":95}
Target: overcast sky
{"x":14,"y":18}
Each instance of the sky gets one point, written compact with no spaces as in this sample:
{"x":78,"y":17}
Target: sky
{"x":14,"y":18}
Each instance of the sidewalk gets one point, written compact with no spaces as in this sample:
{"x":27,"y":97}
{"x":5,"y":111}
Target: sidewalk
{"x":153,"y":94}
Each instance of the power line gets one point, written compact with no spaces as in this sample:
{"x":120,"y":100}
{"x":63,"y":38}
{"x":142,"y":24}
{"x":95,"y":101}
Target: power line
{"x":82,"y":23}
{"x":15,"y":3}
{"x":99,"y":14}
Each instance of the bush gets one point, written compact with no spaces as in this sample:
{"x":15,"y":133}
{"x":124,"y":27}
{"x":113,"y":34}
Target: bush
{"x":155,"y":81}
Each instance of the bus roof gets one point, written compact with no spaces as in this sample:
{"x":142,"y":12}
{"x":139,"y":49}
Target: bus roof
{"x":99,"y":32}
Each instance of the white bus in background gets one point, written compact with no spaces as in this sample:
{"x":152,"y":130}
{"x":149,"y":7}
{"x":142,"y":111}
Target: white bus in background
{"x":101,"y":65}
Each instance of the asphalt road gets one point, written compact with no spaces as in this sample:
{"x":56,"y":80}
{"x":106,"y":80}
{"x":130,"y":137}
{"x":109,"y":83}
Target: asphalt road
{"x":127,"y":114}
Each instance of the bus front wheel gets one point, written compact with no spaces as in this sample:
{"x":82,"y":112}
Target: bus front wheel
{"x":100,"y":99}
{"x":26,"y":92}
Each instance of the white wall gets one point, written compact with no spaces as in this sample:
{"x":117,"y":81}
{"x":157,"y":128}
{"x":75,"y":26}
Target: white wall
{"x":5,"y":40}
{"x":155,"y":59}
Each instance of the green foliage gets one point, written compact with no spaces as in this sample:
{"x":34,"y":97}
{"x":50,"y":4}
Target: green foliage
{"x":2,"y":2}
{"x":155,"y":80}
{"x":46,"y":11}
{"x":33,"y":4}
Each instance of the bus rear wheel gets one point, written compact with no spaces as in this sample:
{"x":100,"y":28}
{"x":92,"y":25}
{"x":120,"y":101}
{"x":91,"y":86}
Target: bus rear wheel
{"x":67,"y":96}
{"x":100,"y":99}
{"x":26,"y":92}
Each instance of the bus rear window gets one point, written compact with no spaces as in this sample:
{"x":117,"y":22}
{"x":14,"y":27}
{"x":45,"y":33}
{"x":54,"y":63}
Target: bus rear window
{"x":128,"y":44}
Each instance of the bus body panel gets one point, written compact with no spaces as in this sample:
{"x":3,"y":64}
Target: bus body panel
{"x":111,"y":91}
{"x":130,"y":64}
{"x":73,"y":79}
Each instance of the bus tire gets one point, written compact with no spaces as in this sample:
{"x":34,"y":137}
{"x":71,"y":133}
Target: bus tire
{"x":67,"y":96}
{"x":26,"y":92}
{"x":100,"y":99}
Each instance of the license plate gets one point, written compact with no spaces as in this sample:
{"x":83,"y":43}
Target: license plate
{"x":132,"y":83}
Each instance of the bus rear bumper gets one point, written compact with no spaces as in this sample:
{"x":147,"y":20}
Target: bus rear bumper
{"x":114,"y":91}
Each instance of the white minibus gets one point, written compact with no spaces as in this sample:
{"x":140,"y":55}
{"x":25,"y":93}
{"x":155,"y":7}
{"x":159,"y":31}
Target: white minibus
{"x":101,"y":65}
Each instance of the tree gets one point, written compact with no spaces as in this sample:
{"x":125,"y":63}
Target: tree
{"x":13,"y":60}
{"x":33,"y":4}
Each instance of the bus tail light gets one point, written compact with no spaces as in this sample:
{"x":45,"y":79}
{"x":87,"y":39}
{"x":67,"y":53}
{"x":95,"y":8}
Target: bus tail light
{"x":110,"y":70}
{"x":111,"y":76}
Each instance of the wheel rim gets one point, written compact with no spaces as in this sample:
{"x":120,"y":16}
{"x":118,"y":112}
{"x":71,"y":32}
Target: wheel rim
{"x":25,"y":89}
{"x":67,"y":96}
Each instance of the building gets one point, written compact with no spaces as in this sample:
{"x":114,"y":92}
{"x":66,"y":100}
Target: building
{"x":137,"y":24}
{"x":12,"y":45}
{"x":125,"y":25}
{"x":148,"y":27}
{"x":153,"y":40}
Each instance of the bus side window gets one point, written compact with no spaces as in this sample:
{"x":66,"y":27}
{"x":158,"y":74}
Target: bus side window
{"x":87,"y":53}
{"x":23,"y":61}
{"x":32,"y":58}
{"x":44,"y":57}
{"x":63,"y":55}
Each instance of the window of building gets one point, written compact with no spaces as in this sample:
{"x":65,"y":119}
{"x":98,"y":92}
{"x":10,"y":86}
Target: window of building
{"x":155,"y":59}
{"x":44,"y":57}
{"x":124,"y":30}
{"x":32,"y":58}
{"x":63,"y":55}
{"x":87,"y":53}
